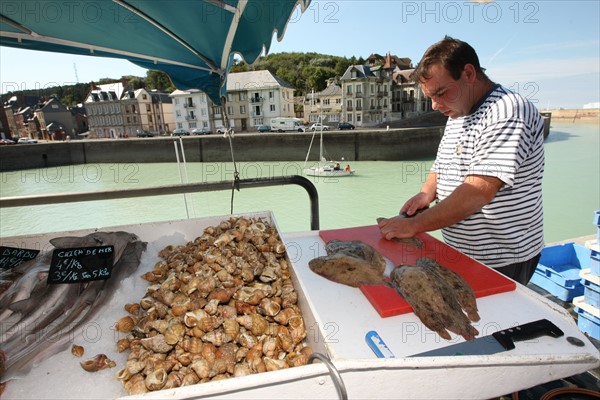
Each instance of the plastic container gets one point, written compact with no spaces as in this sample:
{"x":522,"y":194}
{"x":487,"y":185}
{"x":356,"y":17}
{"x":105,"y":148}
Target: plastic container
{"x":595,"y":263}
{"x":588,"y":318}
{"x":591,"y":288}
{"x":558,"y":270}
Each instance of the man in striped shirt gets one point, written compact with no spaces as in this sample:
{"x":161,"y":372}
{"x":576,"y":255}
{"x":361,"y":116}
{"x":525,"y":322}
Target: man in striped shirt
{"x":487,"y":176}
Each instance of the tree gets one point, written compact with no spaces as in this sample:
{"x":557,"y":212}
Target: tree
{"x":158,"y":80}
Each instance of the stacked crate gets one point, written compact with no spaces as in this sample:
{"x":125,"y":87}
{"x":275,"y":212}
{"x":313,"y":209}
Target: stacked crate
{"x":588,"y":305}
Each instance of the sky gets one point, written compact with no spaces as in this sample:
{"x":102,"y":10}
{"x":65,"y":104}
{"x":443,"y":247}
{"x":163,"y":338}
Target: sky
{"x":548,"y":51}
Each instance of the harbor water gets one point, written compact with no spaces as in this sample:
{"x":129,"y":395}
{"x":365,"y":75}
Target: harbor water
{"x":571,"y":191}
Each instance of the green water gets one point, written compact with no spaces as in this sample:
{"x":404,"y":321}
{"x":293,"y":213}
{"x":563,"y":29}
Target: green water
{"x":571,"y":191}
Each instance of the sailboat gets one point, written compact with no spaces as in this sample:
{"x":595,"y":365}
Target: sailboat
{"x":324,"y":167}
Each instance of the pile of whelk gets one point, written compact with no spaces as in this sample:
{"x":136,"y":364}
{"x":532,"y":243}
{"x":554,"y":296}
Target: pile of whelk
{"x":220,"y":306}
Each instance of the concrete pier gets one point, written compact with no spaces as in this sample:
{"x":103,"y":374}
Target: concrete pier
{"x":357,"y":145}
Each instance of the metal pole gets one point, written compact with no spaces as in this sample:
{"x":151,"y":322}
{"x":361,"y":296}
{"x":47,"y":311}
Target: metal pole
{"x":36,"y":200}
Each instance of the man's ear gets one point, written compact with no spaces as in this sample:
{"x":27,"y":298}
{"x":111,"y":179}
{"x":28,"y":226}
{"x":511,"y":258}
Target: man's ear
{"x":470,"y":74}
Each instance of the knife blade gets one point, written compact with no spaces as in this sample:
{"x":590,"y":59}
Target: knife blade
{"x":497,"y":342}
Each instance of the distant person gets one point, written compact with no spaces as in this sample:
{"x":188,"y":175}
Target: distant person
{"x":347,"y":169}
{"x":337,"y":167}
{"x":486,"y":180}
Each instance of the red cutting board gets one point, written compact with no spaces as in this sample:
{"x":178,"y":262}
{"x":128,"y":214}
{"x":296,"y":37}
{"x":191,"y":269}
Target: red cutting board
{"x":484,"y":281}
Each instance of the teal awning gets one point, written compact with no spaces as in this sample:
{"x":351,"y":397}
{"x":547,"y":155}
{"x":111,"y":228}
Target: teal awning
{"x":191,"y":40}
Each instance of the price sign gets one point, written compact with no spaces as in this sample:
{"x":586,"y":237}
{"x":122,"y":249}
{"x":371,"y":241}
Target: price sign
{"x":10,"y":257}
{"x":81,"y":264}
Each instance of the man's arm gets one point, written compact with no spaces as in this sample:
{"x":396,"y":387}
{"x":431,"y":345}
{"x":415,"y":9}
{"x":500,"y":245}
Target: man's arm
{"x":465,"y":200}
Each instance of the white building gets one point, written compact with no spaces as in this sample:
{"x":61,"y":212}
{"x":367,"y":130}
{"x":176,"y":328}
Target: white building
{"x":265,"y":95}
{"x":192,"y":109}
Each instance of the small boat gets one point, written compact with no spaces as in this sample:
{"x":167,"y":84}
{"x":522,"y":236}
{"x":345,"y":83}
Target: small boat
{"x":325,"y":168}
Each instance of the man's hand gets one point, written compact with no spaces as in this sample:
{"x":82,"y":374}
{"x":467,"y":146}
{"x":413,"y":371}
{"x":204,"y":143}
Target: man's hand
{"x":398,"y":227}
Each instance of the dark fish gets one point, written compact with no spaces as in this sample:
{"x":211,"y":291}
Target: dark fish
{"x":463,"y":292}
{"x":432,"y":300}
{"x":351,"y":263}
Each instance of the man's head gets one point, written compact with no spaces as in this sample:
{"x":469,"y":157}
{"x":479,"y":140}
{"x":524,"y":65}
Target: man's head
{"x":450,"y":74}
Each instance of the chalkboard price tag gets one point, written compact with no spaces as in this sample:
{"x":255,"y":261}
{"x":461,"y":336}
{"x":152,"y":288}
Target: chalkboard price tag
{"x":10,"y":257}
{"x":81,"y":264}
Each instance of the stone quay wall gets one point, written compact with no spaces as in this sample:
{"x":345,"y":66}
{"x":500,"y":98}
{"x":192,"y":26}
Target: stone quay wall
{"x":357,"y":145}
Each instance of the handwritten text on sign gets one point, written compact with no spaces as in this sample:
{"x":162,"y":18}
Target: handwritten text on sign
{"x":81,"y":264}
{"x":11,"y":256}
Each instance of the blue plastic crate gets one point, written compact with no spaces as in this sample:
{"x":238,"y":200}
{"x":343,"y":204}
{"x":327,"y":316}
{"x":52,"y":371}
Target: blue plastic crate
{"x":588,"y":323}
{"x":591,"y":293}
{"x":558,"y":270}
{"x":595,"y":263}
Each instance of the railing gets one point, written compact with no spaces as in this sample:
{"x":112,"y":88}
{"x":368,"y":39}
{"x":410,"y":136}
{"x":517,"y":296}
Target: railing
{"x":189,"y":105}
{"x":256,"y":99}
{"x":38,"y":200}
{"x":190,"y":117}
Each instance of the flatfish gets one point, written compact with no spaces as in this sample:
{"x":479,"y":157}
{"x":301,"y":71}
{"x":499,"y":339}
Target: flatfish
{"x":463,"y":292}
{"x":433,"y":301}
{"x":353,"y":263}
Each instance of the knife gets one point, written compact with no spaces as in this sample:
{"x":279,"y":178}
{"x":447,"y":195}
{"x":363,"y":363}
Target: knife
{"x":497,"y":342}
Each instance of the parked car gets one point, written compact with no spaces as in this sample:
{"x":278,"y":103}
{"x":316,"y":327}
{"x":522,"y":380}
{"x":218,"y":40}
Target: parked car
{"x":221,"y":130}
{"x":201,"y":131}
{"x":345,"y":125}
{"x":26,"y":140}
{"x":263,"y":128}
{"x":317,"y":127}
{"x":180,"y":132}
{"x":143,"y":133}
{"x":6,"y":141}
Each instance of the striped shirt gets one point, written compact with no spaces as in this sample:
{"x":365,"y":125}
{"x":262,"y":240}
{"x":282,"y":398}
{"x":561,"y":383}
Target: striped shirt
{"x":504,"y":138}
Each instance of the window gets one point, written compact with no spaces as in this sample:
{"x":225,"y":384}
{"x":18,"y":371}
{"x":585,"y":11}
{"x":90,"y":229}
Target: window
{"x":349,"y":89}
{"x":242,"y":96}
{"x":242,"y":109}
{"x":148,"y":109}
{"x":203,"y":112}
{"x":270,"y":95}
{"x":372,"y":88}
{"x":192,"y":125}
{"x":230,"y":110}
{"x":359,"y":88}
{"x":144,"y":97}
{"x":358,"y":104}
{"x":177,"y":113}
{"x":326,"y":102}
{"x":272,"y":108}
{"x":229,"y":97}
{"x":338,"y":101}
{"x":349,"y":104}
